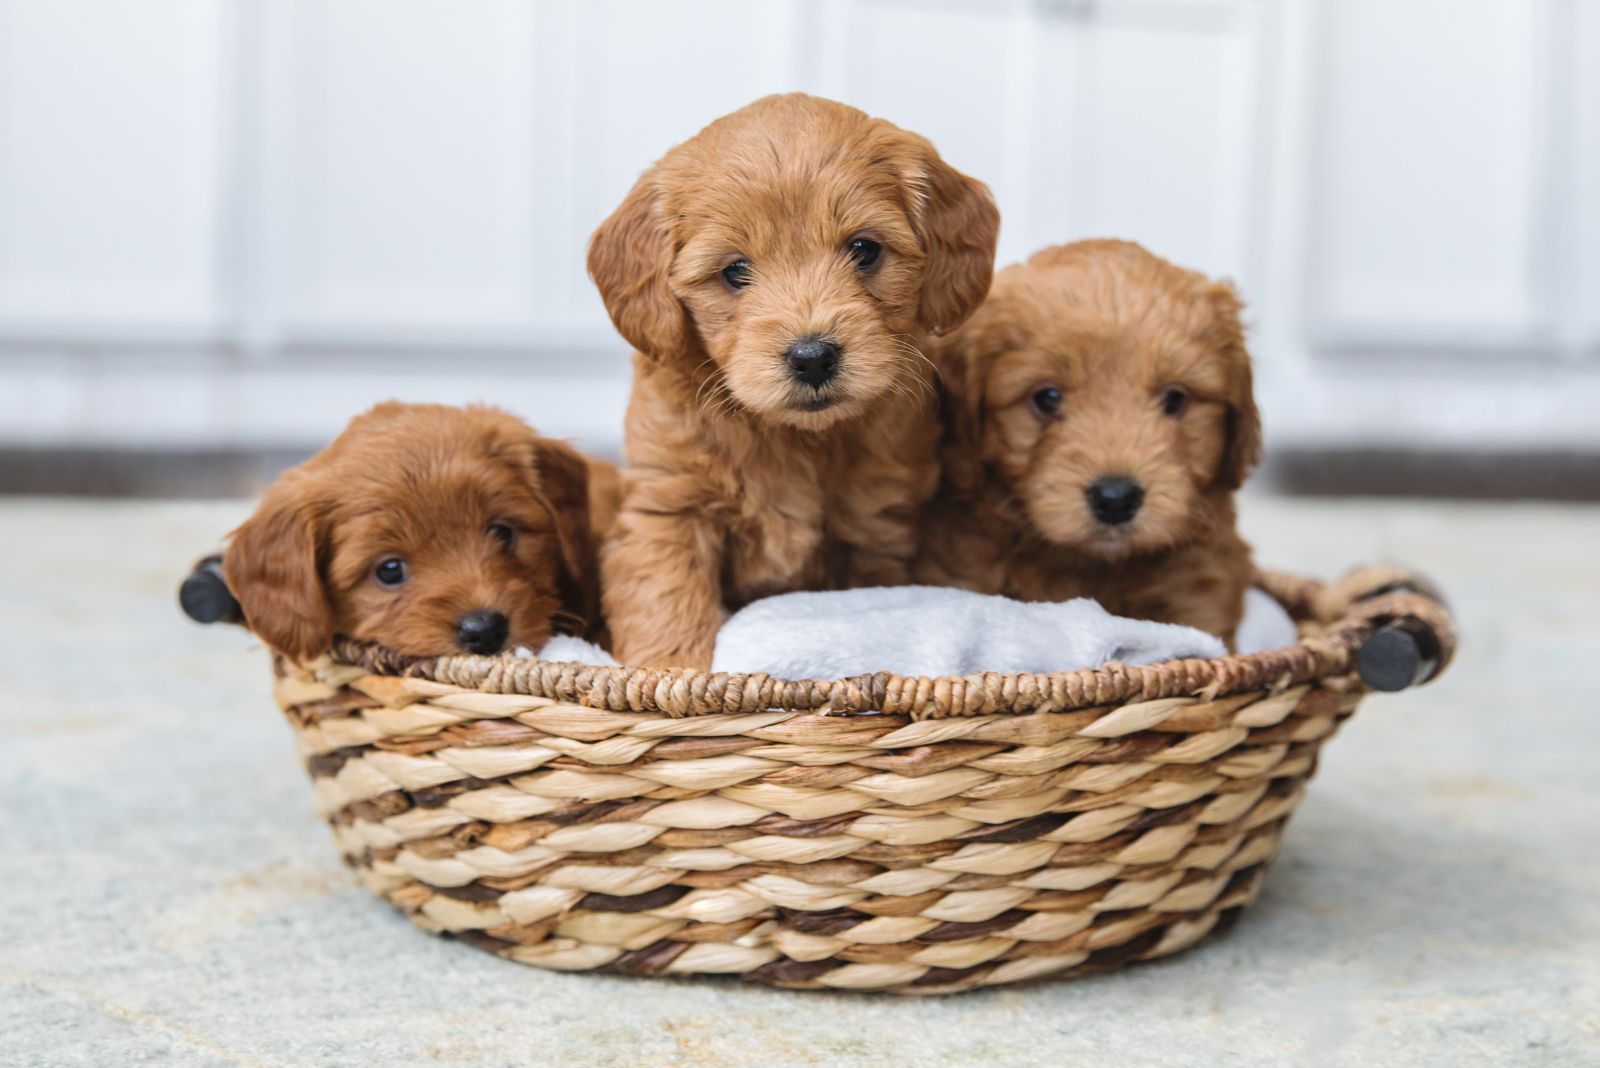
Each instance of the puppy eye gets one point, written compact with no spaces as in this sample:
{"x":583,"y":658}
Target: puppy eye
{"x":503,"y":533}
{"x":1047,"y":401}
{"x":391,"y":571}
{"x":1174,"y":400}
{"x":736,"y":275}
{"x":864,"y":252}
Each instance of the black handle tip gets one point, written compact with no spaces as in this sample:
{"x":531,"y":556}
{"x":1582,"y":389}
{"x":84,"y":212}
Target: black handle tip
{"x":1398,"y":656}
{"x":205,"y":598}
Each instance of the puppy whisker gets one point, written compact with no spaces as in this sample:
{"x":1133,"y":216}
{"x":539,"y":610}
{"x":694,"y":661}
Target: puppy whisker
{"x":912,"y":382}
{"x":565,"y":622}
{"x":908,"y":343}
{"x":711,"y":391}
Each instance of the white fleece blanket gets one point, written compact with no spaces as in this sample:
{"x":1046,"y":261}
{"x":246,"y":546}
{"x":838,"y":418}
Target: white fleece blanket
{"x":925,"y":630}
{"x":1266,"y":625}
{"x":931,"y":631}
{"x":563,"y":648}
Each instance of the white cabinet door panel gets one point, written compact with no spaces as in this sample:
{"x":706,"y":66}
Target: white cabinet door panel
{"x":1148,"y":128}
{"x":1580,"y":268}
{"x":951,"y":71}
{"x":411,"y":179}
{"x":644,"y":78}
{"x":1426,"y":172}
{"x":1057,"y":107}
{"x":111,"y":124}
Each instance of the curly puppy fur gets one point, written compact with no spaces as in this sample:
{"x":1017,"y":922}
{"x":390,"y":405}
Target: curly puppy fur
{"x":792,"y":220}
{"x":484,"y":515}
{"x":1152,"y":386}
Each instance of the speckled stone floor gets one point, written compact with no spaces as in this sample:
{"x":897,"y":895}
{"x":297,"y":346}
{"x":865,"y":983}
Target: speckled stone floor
{"x":167,"y":897}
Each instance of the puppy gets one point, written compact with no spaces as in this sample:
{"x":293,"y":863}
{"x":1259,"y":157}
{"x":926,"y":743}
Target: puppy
{"x":430,"y":530}
{"x":778,"y":274}
{"x":1100,"y":417}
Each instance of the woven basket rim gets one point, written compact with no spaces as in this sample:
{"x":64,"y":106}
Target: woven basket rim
{"x":1335,"y":619}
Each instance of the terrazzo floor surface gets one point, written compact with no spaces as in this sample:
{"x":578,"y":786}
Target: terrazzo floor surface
{"x":167,"y":896}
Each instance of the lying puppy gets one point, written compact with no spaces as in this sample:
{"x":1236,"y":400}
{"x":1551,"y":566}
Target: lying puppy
{"x":777,"y":274}
{"x":1100,"y":419}
{"x":430,"y":530}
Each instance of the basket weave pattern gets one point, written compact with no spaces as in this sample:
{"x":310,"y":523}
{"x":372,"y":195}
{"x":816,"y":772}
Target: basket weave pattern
{"x":969,"y":832}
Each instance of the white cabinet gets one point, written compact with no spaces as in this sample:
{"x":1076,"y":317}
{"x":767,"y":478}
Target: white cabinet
{"x":1146,"y":126}
{"x":111,"y":169}
{"x":1446,"y":243}
{"x":404,"y":183}
{"x":1427,"y":172}
{"x":235,"y":222}
{"x":1123,"y":117}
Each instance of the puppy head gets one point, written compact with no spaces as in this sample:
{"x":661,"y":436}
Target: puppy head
{"x":427,"y":529}
{"x":796,"y":251}
{"x":1111,"y":391}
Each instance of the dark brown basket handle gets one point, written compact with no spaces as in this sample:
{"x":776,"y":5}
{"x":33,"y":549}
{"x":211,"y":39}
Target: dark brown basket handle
{"x":205,"y":597}
{"x":1404,"y":634}
{"x":1399,"y":655}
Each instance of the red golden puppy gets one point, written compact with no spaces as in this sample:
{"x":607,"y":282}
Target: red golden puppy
{"x":430,"y":530}
{"x":778,"y":274}
{"x":1101,"y":418}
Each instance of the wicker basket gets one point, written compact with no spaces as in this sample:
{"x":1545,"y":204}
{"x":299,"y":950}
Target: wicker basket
{"x":973,"y":831}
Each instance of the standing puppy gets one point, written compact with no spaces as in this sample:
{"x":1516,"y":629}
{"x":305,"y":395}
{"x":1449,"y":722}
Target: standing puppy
{"x":778,"y":274}
{"x":1100,"y":418}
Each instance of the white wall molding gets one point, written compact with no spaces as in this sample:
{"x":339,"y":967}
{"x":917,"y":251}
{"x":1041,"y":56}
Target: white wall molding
{"x":304,"y":194}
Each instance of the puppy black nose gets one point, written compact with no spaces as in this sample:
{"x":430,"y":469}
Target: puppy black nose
{"x":813,"y":360}
{"x":482,"y":632}
{"x":1115,"y":500}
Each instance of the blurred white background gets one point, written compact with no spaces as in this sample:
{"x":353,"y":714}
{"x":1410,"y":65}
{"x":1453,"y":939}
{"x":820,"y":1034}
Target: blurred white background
{"x":231,"y":224}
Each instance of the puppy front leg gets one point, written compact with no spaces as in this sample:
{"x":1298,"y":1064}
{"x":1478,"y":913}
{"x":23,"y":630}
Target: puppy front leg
{"x":883,"y":561}
{"x":1200,"y":586}
{"x":1213,"y":608}
{"x":878,"y":521}
{"x":661,"y":575}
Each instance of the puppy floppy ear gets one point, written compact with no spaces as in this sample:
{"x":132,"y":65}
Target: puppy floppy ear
{"x":1244,"y":438}
{"x":630,"y":261}
{"x":958,"y":223}
{"x":1242,"y":426}
{"x":272,"y":567}
{"x":960,"y":360}
{"x":564,"y":481}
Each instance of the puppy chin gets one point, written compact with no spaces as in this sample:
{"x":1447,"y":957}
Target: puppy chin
{"x":817,"y":410}
{"x":1114,"y":543}
{"x":794,"y":404}
{"x":1083,"y":534}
